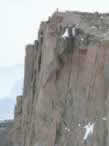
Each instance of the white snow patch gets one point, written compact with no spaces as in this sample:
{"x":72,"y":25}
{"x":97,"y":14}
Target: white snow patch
{"x":67,"y":129}
{"x":66,"y":34}
{"x":79,"y":125}
{"x":89,"y":130}
{"x":82,"y":39}
{"x":73,"y":31}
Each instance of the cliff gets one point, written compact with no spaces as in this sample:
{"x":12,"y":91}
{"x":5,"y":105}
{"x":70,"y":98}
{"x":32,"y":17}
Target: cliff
{"x":66,"y":87}
{"x":5,"y":127}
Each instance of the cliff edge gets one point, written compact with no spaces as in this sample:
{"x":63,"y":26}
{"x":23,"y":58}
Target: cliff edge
{"x":66,"y":87}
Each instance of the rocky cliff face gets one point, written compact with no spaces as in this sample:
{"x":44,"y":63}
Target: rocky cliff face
{"x":66,"y":87}
{"x":5,"y":127}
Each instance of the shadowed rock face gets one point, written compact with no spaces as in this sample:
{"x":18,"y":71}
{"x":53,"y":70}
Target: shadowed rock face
{"x":65,"y":100}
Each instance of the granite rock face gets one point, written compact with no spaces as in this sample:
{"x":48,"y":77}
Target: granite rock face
{"x":66,"y":87}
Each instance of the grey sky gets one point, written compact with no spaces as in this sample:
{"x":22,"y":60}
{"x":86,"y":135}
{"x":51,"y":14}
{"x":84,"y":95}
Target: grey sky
{"x":20,"y":20}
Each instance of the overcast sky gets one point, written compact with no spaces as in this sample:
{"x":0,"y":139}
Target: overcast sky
{"x":20,"y":19}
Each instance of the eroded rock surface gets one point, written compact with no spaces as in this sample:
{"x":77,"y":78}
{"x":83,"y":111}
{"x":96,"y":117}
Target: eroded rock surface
{"x":66,"y":87}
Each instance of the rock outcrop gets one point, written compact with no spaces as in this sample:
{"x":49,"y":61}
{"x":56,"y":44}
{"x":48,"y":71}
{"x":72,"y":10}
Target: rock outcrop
{"x":66,"y":86}
{"x":5,"y":127}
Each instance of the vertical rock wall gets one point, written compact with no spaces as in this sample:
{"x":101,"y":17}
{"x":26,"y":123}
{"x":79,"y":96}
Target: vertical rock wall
{"x":65,"y":100}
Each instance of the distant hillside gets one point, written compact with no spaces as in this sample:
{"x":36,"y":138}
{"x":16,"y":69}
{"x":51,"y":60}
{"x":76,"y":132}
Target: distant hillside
{"x":7,"y":108}
{"x":11,"y":85}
